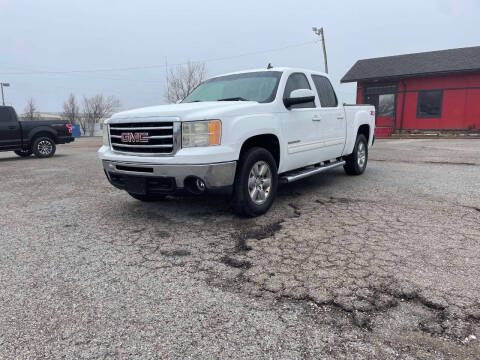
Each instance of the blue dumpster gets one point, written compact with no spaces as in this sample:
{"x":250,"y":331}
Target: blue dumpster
{"x":76,"y":131}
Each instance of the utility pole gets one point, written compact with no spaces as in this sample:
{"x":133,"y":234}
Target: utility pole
{"x":320,"y":33}
{"x":3,"y":97}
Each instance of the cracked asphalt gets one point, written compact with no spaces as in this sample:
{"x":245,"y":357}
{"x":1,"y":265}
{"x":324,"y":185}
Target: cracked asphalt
{"x":385,"y":265}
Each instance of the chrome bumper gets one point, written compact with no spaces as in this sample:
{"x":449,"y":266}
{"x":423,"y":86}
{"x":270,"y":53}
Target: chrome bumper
{"x":214,"y":175}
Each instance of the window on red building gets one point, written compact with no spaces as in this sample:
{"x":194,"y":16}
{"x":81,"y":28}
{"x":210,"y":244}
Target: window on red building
{"x":430,"y":104}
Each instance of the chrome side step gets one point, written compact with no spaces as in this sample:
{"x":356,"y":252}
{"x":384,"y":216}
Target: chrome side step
{"x":303,"y":173}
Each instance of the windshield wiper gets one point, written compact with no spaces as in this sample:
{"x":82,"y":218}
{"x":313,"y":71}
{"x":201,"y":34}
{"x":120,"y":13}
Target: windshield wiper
{"x":233,"y":99}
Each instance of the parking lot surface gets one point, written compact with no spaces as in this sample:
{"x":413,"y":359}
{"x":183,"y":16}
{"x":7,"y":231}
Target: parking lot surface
{"x":385,"y":265}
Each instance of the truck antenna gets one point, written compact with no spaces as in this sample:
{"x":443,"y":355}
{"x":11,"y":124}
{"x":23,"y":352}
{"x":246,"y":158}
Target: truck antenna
{"x":269,"y":66}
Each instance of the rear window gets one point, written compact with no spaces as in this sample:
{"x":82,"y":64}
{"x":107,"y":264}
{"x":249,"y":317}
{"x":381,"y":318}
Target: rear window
{"x":5,"y":115}
{"x":325,"y":91}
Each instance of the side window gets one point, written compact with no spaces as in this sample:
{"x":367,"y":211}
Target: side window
{"x":325,"y":91}
{"x":5,"y":115}
{"x":298,"y":81}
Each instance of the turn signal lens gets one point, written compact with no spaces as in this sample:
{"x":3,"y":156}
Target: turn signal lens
{"x":214,"y":131}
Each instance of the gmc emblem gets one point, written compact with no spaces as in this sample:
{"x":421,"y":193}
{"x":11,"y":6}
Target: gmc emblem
{"x":134,"y":137}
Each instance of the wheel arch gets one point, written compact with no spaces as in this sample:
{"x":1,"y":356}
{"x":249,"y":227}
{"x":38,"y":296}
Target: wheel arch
{"x":364,"y":129}
{"x":268,"y":141}
{"x":42,"y":131}
{"x":362,"y":124}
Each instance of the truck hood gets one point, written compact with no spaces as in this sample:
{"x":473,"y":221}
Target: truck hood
{"x":195,"y":111}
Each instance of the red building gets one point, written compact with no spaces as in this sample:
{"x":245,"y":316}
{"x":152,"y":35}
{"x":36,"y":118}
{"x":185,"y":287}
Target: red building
{"x":437,"y":90}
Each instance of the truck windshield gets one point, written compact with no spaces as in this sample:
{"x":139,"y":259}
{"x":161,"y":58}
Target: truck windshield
{"x":255,"y":86}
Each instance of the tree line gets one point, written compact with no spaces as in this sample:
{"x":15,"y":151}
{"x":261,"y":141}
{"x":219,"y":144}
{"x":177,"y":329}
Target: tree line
{"x":93,"y":110}
{"x":180,"y":82}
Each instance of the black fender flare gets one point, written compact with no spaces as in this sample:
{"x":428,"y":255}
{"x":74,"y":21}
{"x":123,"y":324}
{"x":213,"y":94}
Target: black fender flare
{"x":42,"y":130}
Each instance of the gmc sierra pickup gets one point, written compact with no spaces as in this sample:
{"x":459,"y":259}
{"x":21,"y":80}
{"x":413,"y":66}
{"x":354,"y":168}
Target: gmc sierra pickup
{"x":243,"y":132}
{"x":27,"y":137}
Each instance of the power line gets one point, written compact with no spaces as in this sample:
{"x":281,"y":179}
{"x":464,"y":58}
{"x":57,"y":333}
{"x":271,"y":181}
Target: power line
{"x":132,"y":68}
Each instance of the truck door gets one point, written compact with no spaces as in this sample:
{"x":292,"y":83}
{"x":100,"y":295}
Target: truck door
{"x":10,"y":132}
{"x":299,"y":127}
{"x":332,"y":126}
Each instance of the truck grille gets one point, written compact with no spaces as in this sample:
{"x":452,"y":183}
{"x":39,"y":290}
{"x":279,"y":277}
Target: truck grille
{"x":146,"y":137}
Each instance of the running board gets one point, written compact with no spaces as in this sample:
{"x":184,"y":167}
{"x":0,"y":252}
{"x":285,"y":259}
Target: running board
{"x":301,"y":174}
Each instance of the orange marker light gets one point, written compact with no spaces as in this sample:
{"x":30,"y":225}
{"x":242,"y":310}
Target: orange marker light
{"x":214,"y":132}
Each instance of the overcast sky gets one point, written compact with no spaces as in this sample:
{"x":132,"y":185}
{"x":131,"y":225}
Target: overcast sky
{"x":39,"y":38}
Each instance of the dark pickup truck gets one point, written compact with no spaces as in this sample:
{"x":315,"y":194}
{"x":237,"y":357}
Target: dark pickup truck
{"x":27,"y":137}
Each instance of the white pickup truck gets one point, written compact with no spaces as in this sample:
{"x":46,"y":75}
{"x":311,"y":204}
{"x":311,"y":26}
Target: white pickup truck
{"x":242,"y":133}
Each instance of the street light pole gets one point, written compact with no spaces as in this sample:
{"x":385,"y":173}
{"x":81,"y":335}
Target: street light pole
{"x":320,"y":33}
{"x":3,"y":97}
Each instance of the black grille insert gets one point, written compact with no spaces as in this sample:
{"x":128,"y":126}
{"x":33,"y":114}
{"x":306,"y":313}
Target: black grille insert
{"x":155,"y":185}
{"x":133,"y":168}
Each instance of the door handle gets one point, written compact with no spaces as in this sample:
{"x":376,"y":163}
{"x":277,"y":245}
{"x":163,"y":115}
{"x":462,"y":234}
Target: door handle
{"x":317,"y":118}
{"x":340,"y":117}
{"x":12,"y":127}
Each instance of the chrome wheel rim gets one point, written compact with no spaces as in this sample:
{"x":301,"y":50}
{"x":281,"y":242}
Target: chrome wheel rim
{"x":45,"y":147}
{"x":361,"y":154}
{"x":260,"y":182}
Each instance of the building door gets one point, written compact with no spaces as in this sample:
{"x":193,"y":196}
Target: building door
{"x":383,"y":97}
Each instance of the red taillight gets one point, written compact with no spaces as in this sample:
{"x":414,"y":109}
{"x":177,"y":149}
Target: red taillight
{"x":69,"y":127}
{"x":372,"y":113}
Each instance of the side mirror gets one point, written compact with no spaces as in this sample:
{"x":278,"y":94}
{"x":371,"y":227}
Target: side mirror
{"x":299,"y":96}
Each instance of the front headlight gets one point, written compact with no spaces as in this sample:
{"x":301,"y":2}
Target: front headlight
{"x":201,"y":133}
{"x":105,"y":134}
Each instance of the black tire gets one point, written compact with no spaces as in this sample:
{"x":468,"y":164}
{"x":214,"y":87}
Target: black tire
{"x":44,"y":147}
{"x":242,"y":202}
{"x":147,"y":198}
{"x":354,"y":164}
{"x":24,"y":153}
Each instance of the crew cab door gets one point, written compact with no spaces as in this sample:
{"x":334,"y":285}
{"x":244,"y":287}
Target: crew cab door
{"x":10,"y":131}
{"x":300,"y":127}
{"x":332,"y":125}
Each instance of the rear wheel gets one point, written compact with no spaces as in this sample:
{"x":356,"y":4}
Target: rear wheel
{"x":256,"y":182}
{"x":24,"y":153}
{"x":44,"y":147}
{"x":356,"y":162}
{"x":147,"y":198}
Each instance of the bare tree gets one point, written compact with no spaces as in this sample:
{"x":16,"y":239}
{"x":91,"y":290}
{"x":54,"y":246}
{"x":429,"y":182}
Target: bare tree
{"x":71,"y":110}
{"x":30,"y":110}
{"x":182,"y":80}
{"x":95,"y":109}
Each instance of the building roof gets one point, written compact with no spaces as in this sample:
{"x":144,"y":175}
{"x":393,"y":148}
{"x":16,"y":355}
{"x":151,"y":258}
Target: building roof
{"x":419,"y":64}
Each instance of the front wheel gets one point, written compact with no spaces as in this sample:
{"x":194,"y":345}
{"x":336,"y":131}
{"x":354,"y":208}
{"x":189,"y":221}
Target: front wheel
{"x":44,"y":147}
{"x":356,"y":162}
{"x":256,"y":182}
{"x":24,"y":153}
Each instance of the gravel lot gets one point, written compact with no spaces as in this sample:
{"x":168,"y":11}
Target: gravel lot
{"x":386,"y":265}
